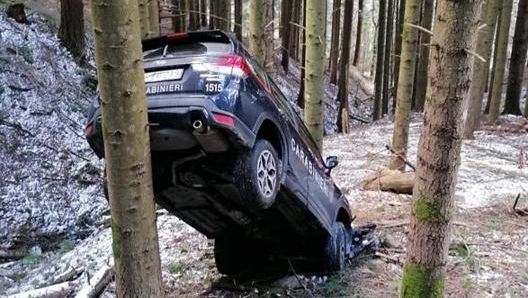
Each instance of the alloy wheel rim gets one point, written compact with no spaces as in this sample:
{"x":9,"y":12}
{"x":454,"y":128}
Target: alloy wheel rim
{"x":266,"y":173}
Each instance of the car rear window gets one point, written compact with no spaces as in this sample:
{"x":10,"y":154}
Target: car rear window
{"x":187,"y":49}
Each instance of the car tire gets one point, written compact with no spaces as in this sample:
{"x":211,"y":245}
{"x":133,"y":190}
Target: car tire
{"x":257,"y":175}
{"x":230,"y":254}
{"x":335,"y":249}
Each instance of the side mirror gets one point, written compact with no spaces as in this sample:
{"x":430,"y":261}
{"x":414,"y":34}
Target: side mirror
{"x":330,"y":163}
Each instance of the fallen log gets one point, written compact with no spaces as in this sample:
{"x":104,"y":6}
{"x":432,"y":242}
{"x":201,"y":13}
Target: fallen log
{"x":68,"y":275}
{"x":55,"y":291}
{"x":98,"y":282}
{"x":389,"y":180}
{"x":13,"y":254}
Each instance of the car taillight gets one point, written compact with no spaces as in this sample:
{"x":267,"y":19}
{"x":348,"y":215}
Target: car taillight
{"x":88,"y":130}
{"x":224,"y":119}
{"x":239,"y":65}
{"x":178,"y":36}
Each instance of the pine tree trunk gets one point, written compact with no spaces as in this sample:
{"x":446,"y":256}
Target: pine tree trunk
{"x":293,"y":47}
{"x":224,"y":14}
{"x":517,"y":61}
{"x":238,"y":18}
{"x":499,"y":68}
{"x":144,"y":18}
{"x":439,"y":150}
{"x":315,"y":11}
{"x":405,"y":84}
{"x":423,"y":62}
{"x":334,"y":43}
{"x":286,"y":15}
{"x":302,"y":33}
{"x":378,"y":79}
{"x":359,"y":33}
{"x":342,"y":92}
{"x":257,"y":38}
{"x":481,"y":69}
{"x":491,"y":73}
{"x":397,"y":49}
{"x":203,"y":13}
{"x":178,"y":20}
{"x":71,"y":31}
{"x":194,"y":14}
{"x":269,"y":30}
{"x":118,"y":57}
{"x":154,"y":21}
{"x":387,"y":51}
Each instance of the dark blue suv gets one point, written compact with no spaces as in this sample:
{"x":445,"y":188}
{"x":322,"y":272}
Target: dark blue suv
{"x":232,"y":158}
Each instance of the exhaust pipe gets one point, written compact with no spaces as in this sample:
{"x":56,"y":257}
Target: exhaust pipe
{"x":198,"y":126}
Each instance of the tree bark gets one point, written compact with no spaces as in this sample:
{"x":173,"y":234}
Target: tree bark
{"x":71,"y":31}
{"x":481,"y":69}
{"x":423,"y":62}
{"x":257,"y":31}
{"x":238,"y":18}
{"x":397,"y":49}
{"x":405,"y":84}
{"x":499,"y":68}
{"x":378,"y":79}
{"x":144,"y":18}
{"x":315,"y":11}
{"x":342,"y":92}
{"x":269,"y":30}
{"x":286,"y":15}
{"x":439,"y":150}
{"x":359,"y":34}
{"x":118,"y":57}
{"x":301,"y":97}
{"x":203,"y":13}
{"x":387,"y":59}
{"x":154,"y":21}
{"x":224,"y":14}
{"x":491,"y":73}
{"x":517,"y":61}
{"x":334,"y":43}
{"x":293,"y":47}
{"x":194,"y":14}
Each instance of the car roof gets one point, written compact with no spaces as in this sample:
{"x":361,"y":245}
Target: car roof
{"x":213,"y":36}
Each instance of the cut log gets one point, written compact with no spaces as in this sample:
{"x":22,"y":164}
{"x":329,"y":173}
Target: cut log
{"x":13,"y":254}
{"x":98,"y":282}
{"x":55,"y":291}
{"x":389,"y":180}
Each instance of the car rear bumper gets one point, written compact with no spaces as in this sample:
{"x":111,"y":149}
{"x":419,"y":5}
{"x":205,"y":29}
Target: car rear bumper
{"x":183,"y":123}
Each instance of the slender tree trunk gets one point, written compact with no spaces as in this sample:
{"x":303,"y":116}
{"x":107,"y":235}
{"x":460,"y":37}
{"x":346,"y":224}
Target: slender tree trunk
{"x":491,"y":74}
{"x":154,"y":21}
{"x":315,"y":11}
{"x":302,"y":33}
{"x":378,"y":79}
{"x":144,"y":18}
{"x":71,"y":31}
{"x":405,"y":84}
{"x":342,"y":93}
{"x":517,"y":61}
{"x":238,"y":18}
{"x":118,"y":57}
{"x":203,"y":13}
{"x":502,"y":51}
{"x":334,"y":43}
{"x":178,"y":20}
{"x":224,"y":14}
{"x":439,"y":150}
{"x":481,"y":69}
{"x":387,"y":59}
{"x":359,"y":34}
{"x":423,"y":63}
{"x":397,"y":49}
{"x":269,"y":31}
{"x":194,"y":14}
{"x":286,"y":15}
{"x":293,"y":47}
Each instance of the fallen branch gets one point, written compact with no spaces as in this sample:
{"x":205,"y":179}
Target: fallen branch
{"x":386,"y":257}
{"x":68,"y":275}
{"x":401,"y":157}
{"x":522,"y":212}
{"x":13,"y":254}
{"x":55,"y":291}
{"x":393,"y":181}
{"x":98,"y":282}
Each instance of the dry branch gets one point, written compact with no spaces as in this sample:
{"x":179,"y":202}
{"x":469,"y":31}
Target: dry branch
{"x":55,"y":291}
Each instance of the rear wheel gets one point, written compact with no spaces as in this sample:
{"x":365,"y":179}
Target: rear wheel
{"x":334,"y":256}
{"x":257,"y":175}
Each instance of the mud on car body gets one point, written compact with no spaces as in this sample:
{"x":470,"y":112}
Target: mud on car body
{"x":231,"y":157}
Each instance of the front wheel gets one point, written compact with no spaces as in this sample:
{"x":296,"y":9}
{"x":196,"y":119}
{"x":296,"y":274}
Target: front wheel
{"x":257,"y":175}
{"x":334,"y":256}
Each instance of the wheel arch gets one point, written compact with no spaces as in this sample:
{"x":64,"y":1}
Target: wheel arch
{"x":268,"y":129}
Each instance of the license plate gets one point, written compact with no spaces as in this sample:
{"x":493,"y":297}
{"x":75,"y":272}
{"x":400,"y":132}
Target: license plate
{"x":164,"y":75}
